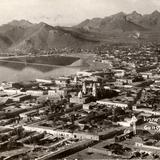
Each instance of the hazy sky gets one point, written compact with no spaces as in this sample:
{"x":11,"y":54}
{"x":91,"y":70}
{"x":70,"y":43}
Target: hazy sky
{"x":70,"y":12}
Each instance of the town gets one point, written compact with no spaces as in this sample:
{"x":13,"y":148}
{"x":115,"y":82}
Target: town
{"x":106,"y":113}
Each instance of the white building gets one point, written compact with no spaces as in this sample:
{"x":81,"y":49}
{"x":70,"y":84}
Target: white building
{"x":34,"y":92}
{"x":146,"y":75}
{"x":62,"y":81}
{"x":119,"y":72}
{"x":11,"y":91}
{"x":44,"y":81}
{"x":84,"y":73}
{"x":112,"y":104}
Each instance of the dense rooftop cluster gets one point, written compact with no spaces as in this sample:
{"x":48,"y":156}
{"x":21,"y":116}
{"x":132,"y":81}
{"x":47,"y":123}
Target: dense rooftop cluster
{"x":119,"y":104}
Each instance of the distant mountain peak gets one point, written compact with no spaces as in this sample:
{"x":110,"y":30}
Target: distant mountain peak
{"x":42,"y":24}
{"x":156,"y":12}
{"x":155,"y":16}
{"x":23,"y":35}
{"x":45,"y":25}
{"x":134,"y":17}
{"x":120,"y":14}
{"x":23,"y":23}
{"x":136,"y":13}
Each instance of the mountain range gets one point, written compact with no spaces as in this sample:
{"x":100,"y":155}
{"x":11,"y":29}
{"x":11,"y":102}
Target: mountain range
{"x":121,"y":27}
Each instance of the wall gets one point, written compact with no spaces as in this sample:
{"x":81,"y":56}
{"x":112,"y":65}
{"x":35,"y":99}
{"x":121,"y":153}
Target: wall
{"x":61,"y":133}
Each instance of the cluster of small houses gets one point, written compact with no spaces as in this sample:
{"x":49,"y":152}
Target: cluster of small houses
{"x":82,"y":89}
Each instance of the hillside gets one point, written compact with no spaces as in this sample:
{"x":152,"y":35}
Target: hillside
{"x":117,"y":22}
{"x":121,"y":27}
{"x":133,"y":27}
{"x":27,"y":36}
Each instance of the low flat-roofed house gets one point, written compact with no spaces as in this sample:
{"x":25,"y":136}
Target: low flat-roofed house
{"x":147,"y":148}
{"x":119,"y":72}
{"x":52,"y":92}
{"x":107,"y":87}
{"x":146,"y":110}
{"x":87,"y":106}
{"x":1,"y":88}
{"x":36,"y":93}
{"x":156,"y":76}
{"x":124,"y":80}
{"x":47,"y":81}
{"x":57,"y":92}
{"x":60,"y":133}
{"x":12,"y":109}
{"x":27,"y":115}
{"x":25,"y":85}
{"x":11,"y":91}
{"x":104,"y":75}
{"x":124,"y":123}
{"x":26,"y":106}
{"x":94,"y":78}
{"x":118,"y":83}
{"x":84,"y":73}
{"x":109,"y":103}
{"x":9,"y":108}
{"x":62,"y":81}
{"x":4,"y":100}
{"x":20,"y":97}
{"x":146,"y":75}
{"x":6,"y":85}
{"x":127,"y":86}
{"x":78,"y":100}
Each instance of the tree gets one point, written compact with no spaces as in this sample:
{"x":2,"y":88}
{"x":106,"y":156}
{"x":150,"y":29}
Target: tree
{"x":156,"y":136}
{"x":119,"y":111}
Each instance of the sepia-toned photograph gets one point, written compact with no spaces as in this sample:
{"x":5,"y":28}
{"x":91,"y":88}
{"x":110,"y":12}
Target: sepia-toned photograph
{"x":79,"y":79}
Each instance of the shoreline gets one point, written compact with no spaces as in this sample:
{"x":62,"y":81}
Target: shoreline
{"x":6,"y":59}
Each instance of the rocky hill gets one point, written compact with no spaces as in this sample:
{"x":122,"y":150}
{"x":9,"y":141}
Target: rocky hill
{"x":117,"y":22}
{"x":121,"y":27}
{"x":21,"y":35}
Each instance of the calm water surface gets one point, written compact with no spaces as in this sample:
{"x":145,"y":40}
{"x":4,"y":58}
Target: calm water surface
{"x":23,"y":71}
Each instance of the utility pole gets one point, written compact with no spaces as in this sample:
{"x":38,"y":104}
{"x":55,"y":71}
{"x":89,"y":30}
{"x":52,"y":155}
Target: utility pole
{"x":134,"y":120}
